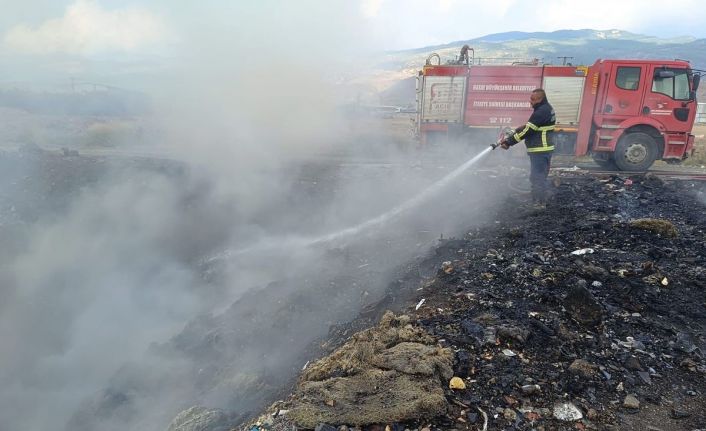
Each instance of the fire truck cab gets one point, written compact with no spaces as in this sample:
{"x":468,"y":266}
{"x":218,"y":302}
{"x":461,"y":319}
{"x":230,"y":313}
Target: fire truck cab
{"x":644,"y":111}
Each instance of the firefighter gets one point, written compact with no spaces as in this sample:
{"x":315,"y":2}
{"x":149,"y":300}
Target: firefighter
{"x":463,"y":58}
{"x":538,"y":136}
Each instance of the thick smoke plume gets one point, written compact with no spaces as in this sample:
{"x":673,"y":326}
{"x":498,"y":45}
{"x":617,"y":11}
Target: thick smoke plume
{"x":110,"y":297}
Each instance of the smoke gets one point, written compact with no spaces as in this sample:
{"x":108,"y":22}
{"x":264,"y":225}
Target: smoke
{"x":78,"y":31}
{"x":93,"y":283}
{"x":131,"y":298}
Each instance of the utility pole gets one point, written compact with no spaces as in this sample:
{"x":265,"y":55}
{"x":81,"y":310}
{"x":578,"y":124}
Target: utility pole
{"x":564,"y":58}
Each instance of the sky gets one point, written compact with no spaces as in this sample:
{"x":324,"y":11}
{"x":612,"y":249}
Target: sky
{"x":93,"y":27}
{"x":409,"y":24}
{"x":107,"y":38}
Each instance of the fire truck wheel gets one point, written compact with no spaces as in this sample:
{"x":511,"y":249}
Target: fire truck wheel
{"x":635,"y":152}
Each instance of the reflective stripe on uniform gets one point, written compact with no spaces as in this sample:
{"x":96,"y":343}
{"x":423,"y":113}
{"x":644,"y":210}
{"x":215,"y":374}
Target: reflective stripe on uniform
{"x":544,"y":130}
{"x":545,"y":143}
{"x":540,"y":149}
{"x":518,"y":136}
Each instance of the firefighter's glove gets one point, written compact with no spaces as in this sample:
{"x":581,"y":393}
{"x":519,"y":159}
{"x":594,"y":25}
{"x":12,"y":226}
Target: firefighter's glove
{"x":504,"y":145}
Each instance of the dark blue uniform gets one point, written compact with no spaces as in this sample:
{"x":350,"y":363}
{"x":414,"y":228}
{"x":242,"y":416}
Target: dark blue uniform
{"x":537,"y":134}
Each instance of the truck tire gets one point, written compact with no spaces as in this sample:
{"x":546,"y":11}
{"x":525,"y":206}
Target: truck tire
{"x":635,"y":152}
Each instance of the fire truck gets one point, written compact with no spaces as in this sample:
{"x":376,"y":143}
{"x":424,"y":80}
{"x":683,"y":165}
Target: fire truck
{"x":624,"y":113}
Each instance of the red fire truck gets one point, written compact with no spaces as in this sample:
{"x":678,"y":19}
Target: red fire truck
{"x":624,"y":113}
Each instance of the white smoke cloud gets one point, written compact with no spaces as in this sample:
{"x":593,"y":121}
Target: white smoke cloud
{"x":92,"y":287}
{"x":370,"y":8}
{"x":249,"y":95}
{"x":87,"y":28}
{"x":89,"y":292}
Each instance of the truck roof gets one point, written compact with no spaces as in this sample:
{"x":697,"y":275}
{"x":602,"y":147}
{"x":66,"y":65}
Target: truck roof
{"x":458,"y":70}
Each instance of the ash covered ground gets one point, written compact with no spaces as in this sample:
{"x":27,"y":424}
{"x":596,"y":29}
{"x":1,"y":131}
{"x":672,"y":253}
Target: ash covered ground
{"x":615,"y":333}
{"x":133,"y":290}
{"x":587,"y":315}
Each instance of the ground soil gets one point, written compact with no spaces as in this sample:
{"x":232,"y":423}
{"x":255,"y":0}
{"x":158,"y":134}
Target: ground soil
{"x":634,"y":309}
{"x":627,"y":316}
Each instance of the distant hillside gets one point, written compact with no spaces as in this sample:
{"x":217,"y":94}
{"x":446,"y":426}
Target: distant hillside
{"x":585,"y":34}
{"x":582,"y":46}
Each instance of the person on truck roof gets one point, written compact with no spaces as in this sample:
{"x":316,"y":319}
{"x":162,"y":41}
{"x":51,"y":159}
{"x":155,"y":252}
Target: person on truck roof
{"x":538,"y":136}
{"x":463,"y":57}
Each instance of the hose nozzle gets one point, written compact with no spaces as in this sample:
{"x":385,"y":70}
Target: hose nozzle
{"x":505,"y":134}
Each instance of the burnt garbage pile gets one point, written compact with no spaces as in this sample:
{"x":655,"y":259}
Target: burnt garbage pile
{"x":589,"y":314}
{"x":592,"y":311}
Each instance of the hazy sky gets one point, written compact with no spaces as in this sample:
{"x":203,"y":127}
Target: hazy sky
{"x":96,"y":26}
{"x":130,"y":43}
{"x":416,"y":23}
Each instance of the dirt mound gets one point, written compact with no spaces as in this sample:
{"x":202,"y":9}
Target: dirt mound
{"x":393,"y":371}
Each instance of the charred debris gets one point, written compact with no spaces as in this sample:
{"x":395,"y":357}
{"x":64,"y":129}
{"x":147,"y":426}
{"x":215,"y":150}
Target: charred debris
{"x":588,"y":315}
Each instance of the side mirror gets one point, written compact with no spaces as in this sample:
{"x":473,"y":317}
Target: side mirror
{"x":692,"y":95}
{"x":662,"y":74}
{"x":696,"y":82}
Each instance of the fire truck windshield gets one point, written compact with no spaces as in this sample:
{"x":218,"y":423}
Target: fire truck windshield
{"x":674,"y":84}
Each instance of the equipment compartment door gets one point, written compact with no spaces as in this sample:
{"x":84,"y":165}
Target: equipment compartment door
{"x":443,"y":98}
{"x":564,"y":94}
